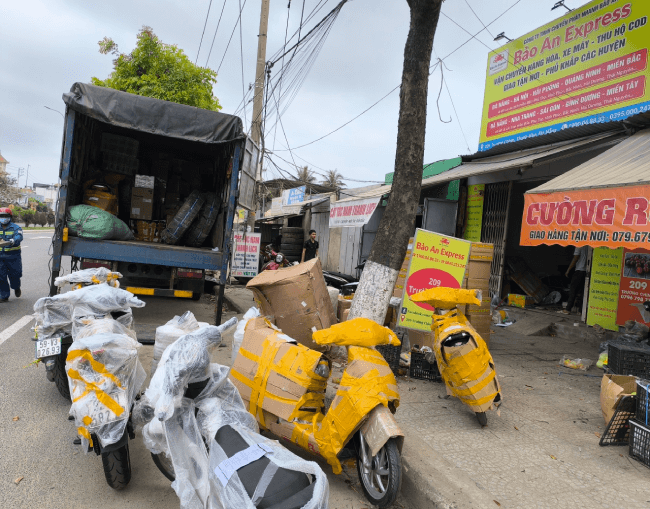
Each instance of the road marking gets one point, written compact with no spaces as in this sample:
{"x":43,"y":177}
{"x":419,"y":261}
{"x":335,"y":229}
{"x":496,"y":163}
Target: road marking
{"x":36,"y":238}
{"x":10,"y":331}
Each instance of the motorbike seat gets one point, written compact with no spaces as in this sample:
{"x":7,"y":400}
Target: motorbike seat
{"x":288,"y":489}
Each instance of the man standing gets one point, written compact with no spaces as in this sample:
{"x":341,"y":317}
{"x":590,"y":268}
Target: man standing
{"x":580,"y":258}
{"x":310,"y":249}
{"x":11,"y":264}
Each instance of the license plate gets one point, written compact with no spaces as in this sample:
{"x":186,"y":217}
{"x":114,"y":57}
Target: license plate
{"x":48,"y":347}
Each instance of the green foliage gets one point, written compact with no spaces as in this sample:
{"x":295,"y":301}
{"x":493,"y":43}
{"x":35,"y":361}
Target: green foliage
{"x":41,"y":218}
{"x":50,"y":218}
{"x":28,"y":216}
{"x":161,"y":71}
{"x":333,"y":179}
{"x":306,"y":176}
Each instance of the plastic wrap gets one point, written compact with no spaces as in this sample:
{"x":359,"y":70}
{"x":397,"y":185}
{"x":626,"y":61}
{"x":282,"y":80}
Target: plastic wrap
{"x":104,"y":375}
{"x":201,"y":227}
{"x":239,"y":333}
{"x":185,"y":361}
{"x":183,"y":218}
{"x":54,"y":314}
{"x":85,"y":326}
{"x":170,"y":332}
{"x":89,"y":276}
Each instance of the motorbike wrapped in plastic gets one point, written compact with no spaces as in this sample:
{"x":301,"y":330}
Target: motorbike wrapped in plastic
{"x":85,"y":324}
{"x":104,"y":375}
{"x":170,"y":332}
{"x":89,"y":276}
{"x":54,"y":314}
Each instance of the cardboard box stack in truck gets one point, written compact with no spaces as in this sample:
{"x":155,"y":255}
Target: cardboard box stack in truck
{"x":163,"y":182}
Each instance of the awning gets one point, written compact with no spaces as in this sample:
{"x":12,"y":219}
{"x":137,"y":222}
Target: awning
{"x":602,"y":202}
{"x":295,"y":210}
{"x":521,"y":159}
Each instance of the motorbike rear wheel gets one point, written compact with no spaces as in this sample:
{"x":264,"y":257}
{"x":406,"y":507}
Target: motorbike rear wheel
{"x":380,"y":475}
{"x":482,"y":418}
{"x":165,"y":465}
{"x":60,"y":376}
{"x":117,"y":467}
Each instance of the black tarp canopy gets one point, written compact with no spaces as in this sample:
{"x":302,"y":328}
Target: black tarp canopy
{"x":153,"y":116}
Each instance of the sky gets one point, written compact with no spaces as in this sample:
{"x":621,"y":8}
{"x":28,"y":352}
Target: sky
{"x":46,"y":46}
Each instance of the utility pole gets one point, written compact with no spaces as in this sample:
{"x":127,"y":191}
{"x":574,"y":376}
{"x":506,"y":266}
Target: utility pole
{"x":258,"y":102}
{"x":27,"y":177}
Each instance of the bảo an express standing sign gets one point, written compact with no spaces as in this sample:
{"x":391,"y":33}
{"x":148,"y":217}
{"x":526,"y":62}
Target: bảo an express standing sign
{"x":437,"y":260}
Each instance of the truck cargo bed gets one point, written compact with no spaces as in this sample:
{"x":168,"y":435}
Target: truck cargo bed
{"x":144,"y":252}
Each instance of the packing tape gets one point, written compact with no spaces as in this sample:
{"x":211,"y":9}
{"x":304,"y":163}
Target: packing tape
{"x":356,"y":332}
{"x":447,"y":298}
{"x":102,"y":396}
{"x":97,"y":366}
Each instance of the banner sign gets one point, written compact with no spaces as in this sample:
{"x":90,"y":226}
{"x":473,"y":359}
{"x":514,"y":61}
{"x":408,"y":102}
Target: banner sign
{"x":293,"y":196}
{"x":635,"y":287}
{"x":475,"y":199}
{"x":352,"y":213}
{"x":613,"y":217}
{"x":604,"y":287}
{"x":588,"y":67}
{"x":436,"y":260}
{"x":246,"y":254}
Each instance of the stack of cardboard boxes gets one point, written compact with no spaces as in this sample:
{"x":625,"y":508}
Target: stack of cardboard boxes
{"x":477,"y":277}
{"x":142,"y":198}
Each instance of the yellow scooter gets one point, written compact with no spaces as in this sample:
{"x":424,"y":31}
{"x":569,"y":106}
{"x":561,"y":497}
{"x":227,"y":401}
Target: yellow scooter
{"x":283,"y":385}
{"x":462,"y":355}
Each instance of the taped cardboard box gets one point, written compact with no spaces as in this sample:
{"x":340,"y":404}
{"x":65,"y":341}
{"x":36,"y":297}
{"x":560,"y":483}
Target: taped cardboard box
{"x":478,"y":270}
{"x":296,"y":298}
{"x":286,"y":376}
{"x":612,"y":389}
{"x":343,"y":305}
{"x":477,"y":284}
{"x":481,"y":252}
{"x":141,"y":203}
{"x":520,"y":301}
{"x":421,"y":338}
{"x":290,"y":432}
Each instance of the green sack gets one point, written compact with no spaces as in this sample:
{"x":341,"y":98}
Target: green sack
{"x":90,"y":222}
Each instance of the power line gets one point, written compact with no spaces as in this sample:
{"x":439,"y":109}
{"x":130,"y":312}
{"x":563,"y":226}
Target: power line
{"x":241,"y":56}
{"x":204,"y":25}
{"x":231,"y":34}
{"x":286,"y":31}
{"x":215,"y":33}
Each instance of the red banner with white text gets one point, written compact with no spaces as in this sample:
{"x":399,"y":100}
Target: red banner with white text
{"x":612,"y":217}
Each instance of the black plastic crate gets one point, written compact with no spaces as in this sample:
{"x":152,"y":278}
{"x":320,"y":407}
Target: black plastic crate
{"x":629,"y":359}
{"x":642,"y":402}
{"x":423,"y":370}
{"x":617,"y":431}
{"x":640,"y":442}
{"x":391,"y":355}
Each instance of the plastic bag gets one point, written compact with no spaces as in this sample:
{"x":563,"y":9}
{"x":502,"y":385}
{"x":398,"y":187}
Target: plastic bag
{"x":54,"y":314}
{"x":183,"y":218}
{"x":634,"y":331}
{"x":92,"y":223}
{"x":89,"y":276}
{"x":239,"y":333}
{"x":356,"y":332}
{"x":202,"y":225}
{"x":84,"y":326}
{"x":104,"y":375}
{"x":581,"y":364}
{"x":170,"y":332}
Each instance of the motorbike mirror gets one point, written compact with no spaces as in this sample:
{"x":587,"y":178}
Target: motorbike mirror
{"x":225,"y":327}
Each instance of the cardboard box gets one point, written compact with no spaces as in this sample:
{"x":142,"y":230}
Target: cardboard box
{"x":287,"y":431}
{"x":345,"y":315}
{"x":478,"y":270}
{"x":477,"y":284}
{"x":296,"y":298}
{"x":421,"y":338}
{"x":481,"y":252}
{"x":145,"y":182}
{"x":343,"y":305}
{"x":612,"y":389}
{"x":141,"y":203}
{"x":289,"y":386}
{"x":520,"y":301}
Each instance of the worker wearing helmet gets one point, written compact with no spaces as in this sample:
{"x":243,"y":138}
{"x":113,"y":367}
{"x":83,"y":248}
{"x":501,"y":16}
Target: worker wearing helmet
{"x":11,"y":264}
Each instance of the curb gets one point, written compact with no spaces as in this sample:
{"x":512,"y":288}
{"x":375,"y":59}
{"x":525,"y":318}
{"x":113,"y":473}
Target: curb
{"x":234,"y":304}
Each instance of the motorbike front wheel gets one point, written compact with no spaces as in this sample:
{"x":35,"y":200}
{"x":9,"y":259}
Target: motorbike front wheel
{"x":380,"y":475}
{"x":60,"y":376}
{"x":117,"y":467}
{"x":165,"y":465}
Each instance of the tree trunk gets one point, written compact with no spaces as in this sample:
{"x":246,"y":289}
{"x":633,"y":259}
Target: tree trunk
{"x":389,"y":248}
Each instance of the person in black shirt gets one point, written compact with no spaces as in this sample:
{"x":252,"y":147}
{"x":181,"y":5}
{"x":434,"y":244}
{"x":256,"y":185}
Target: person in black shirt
{"x":310,"y":249}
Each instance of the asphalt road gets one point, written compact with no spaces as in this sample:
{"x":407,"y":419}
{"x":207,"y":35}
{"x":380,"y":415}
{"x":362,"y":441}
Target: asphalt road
{"x":39,"y":465}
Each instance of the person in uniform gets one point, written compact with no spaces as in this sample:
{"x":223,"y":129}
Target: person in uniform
{"x":11,"y":263}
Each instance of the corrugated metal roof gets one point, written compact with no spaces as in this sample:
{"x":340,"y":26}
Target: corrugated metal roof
{"x":373,"y":193}
{"x":511,"y":160}
{"x":295,"y":210}
{"x":639,"y":120}
{"x":626,"y":164}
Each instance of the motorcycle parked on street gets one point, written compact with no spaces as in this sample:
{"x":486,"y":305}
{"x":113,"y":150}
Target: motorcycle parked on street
{"x":203,"y":440}
{"x":87,"y":337}
{"x":359,"y":424}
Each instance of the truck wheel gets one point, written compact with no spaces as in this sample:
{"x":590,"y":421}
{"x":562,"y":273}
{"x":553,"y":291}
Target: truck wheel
{"x":117,"y":467}
{"x":60,"y":376}
{"x":380,"y":475}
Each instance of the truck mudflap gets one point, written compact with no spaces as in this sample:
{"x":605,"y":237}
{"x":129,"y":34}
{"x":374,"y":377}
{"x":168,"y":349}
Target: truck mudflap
{"x":159,"y":292}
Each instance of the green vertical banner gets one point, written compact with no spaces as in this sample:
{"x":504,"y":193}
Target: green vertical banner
{"x":604,"y":287}
{"x":475,"y":198}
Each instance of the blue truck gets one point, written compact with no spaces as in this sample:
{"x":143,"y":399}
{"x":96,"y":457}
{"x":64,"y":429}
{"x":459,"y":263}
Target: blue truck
{"x":112,"y":136}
